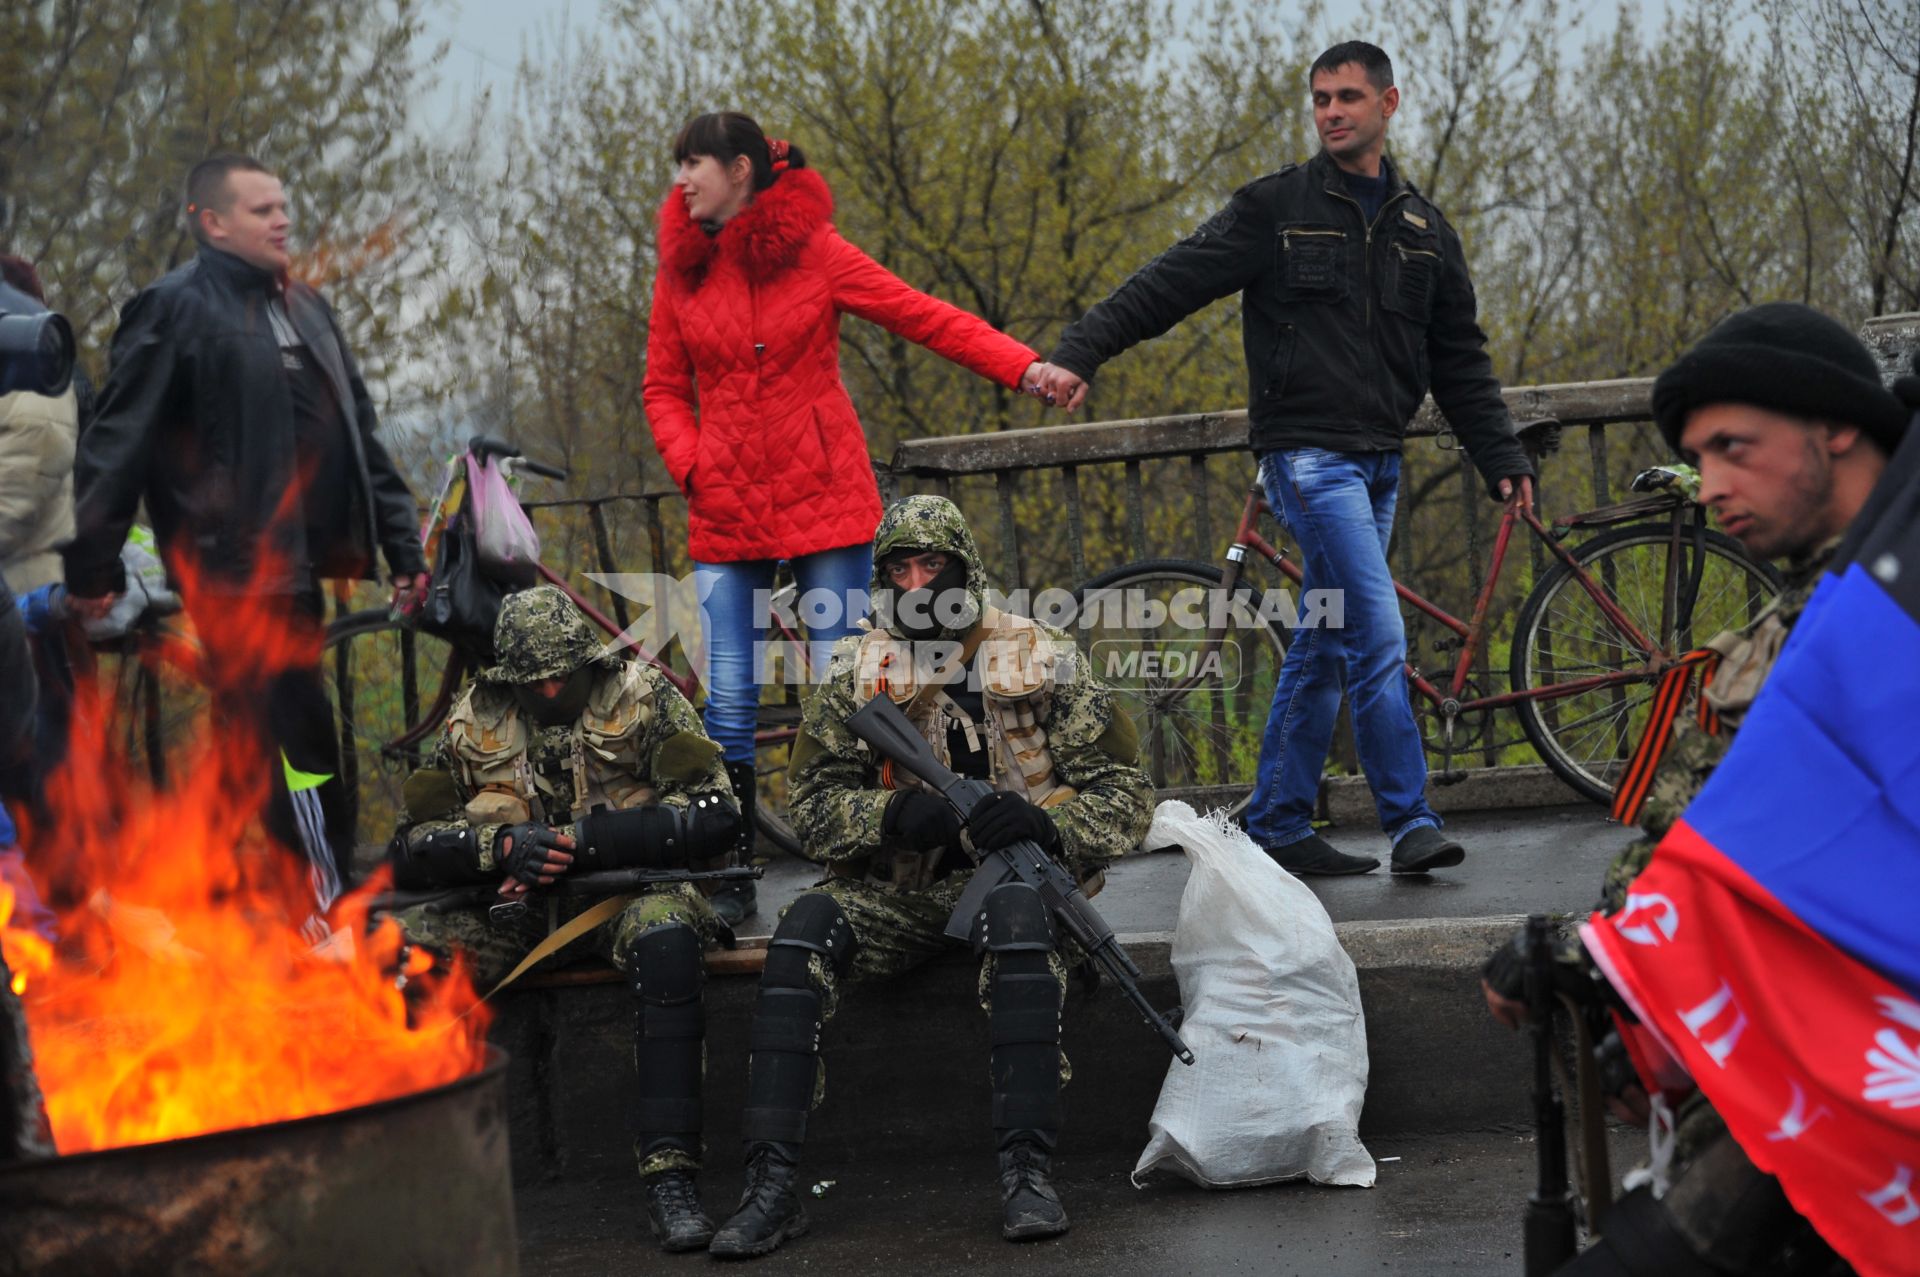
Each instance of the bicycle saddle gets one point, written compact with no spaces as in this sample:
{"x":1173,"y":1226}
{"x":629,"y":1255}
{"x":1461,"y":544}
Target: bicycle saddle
{"x":1540,"y":437}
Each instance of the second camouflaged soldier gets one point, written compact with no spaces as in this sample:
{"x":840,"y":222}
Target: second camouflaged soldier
{"x":561,"y":750}
{"x":1783,"y":411}
{"x":997,"y":697}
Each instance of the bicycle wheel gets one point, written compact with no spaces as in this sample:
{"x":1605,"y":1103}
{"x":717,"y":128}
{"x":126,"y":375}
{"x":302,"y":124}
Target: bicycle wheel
{"x":391,"y":687}
{"x":1562,"y":636}
{"x":157,"y":695}
{"x":1194,"y":669}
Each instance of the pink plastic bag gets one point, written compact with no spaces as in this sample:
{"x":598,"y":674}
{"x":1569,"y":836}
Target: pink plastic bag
{"x":507,"y":546}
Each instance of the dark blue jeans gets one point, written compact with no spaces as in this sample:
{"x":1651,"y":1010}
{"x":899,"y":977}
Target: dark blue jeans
{"x":733,"y":625}
{"x":1339,"y":508}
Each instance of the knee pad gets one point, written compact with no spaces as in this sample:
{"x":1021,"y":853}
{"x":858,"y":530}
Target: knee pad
{"x":1015,"y":919}
{"x":667,"y":967}
{"x":814,"y":924}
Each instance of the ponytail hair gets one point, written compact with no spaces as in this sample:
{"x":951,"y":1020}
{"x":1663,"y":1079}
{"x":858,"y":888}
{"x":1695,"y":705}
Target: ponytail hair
{"x":727,"y":135}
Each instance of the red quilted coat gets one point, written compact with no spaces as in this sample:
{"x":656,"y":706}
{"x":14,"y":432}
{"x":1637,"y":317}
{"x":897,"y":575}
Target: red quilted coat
{"x":743,"y":371}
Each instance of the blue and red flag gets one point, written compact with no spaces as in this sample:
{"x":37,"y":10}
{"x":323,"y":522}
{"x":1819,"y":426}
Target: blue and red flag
{"x":1772,"y":945}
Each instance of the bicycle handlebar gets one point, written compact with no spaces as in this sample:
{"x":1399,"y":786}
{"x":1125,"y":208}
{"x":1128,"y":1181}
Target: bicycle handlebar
{"x":482,"y":447}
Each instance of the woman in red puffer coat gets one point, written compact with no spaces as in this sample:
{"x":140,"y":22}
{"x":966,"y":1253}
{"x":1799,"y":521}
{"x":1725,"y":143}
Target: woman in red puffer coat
{"x":744,"y":397}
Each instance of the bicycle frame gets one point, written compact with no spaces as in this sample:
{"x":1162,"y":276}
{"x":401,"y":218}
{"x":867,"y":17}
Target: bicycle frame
{"x":1473,"y":632}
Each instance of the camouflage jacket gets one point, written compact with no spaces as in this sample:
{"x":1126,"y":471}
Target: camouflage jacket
{"x":1747,"y":657}
{"x":638,"y":741}
{"x":837,"y":797}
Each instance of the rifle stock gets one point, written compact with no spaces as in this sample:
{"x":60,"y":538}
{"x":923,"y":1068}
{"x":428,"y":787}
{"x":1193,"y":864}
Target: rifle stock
{"x":883,"y":727}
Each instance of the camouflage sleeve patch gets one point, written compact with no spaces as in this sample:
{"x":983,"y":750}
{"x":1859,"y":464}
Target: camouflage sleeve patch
{"x":683,"y":758}
{"x":1121,"y":740}
{"x":430,"y":794}
{"x":676,"y":755}
{"x":1095,"y":749}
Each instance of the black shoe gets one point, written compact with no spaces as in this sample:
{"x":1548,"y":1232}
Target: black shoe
{"x":769,"y":1211}
{"x":1029,"y":1207}
{"x":1426,"y":848}
{"x":1315,"y":855}
{"x":674,"y":1214}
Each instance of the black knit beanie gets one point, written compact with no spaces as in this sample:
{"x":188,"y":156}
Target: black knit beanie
{"x":1786,"y":358}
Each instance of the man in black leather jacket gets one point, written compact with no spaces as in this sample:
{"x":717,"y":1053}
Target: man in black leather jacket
{"x":1355,"y":302}
{"x":233,"y":407}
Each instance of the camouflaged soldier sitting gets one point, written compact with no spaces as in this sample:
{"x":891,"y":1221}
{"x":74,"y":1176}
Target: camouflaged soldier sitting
{"x":562,"y":729}
{"x":997,"y":697}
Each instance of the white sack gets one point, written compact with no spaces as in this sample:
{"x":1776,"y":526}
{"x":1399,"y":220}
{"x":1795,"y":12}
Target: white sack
{"x":1272,"y":1015}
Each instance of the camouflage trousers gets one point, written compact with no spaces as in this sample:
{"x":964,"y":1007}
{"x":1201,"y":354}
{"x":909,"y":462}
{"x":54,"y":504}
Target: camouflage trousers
{"x":494,"y":947}
{"x":894,"y":932}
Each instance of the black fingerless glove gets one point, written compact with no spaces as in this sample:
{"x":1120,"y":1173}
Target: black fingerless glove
{"x":921,"y":820}
{"x":524,"y":847}
{"x":1000,"y":820}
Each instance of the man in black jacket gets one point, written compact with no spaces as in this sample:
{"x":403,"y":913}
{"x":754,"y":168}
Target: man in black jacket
{"x":1355,"y":302}
{"x":234,"y":409}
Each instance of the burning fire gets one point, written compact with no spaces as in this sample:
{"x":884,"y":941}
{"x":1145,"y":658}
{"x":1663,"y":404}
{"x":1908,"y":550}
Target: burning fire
{"x":182,"y":996}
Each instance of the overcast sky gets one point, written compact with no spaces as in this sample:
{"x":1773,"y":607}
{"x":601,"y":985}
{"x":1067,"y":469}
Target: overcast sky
{"x":488,"y":38}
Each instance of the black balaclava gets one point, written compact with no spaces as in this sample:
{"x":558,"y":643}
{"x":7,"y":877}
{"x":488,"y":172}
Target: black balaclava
{"x":563,"y":707}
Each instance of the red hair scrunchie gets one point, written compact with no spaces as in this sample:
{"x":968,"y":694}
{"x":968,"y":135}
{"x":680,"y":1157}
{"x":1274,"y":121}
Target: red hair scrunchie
{"x":777,"y":152}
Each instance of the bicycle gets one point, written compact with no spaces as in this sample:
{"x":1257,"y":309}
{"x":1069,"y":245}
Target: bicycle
{"x":1591,"y":639}
{"x":384,"y":669}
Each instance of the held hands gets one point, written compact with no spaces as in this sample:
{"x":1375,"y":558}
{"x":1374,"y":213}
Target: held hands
{"x":533,"y":854}
{"x":1053,"y":384}
{"x":1001,"y":820}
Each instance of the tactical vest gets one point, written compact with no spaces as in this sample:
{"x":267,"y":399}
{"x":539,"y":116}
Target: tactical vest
{"x":1019,"y":664}
{"x":599,"y":762}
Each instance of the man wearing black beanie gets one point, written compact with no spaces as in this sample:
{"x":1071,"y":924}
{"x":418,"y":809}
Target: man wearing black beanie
{"x":1783,"y":411}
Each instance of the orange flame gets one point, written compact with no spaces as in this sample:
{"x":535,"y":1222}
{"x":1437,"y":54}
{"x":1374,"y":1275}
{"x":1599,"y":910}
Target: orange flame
{"x":182,"y":996}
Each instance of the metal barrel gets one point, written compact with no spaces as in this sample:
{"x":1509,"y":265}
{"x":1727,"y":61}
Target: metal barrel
{"x":419,"y":1184}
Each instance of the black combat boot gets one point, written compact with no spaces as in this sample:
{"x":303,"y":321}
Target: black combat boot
{"x":674,"y":1214}
{"x":769,"y":1211}
{"x":737,"y":901}
{"x":1029,"y":1206}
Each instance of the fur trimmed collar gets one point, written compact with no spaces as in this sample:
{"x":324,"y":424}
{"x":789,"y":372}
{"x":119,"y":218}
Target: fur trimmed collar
{"x":767,"y":235}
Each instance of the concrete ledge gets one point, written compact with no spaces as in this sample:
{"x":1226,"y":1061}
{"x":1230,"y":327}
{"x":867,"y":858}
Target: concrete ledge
{"x":1347,"y":800}
{"x":907,"y":1060}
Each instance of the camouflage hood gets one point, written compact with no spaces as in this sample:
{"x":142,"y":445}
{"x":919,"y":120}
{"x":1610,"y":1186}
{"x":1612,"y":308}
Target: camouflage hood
{"x":542,"y":634}
{"x":930,"y":523}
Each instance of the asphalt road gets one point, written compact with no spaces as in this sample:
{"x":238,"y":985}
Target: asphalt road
{"x":1443,"y":1206}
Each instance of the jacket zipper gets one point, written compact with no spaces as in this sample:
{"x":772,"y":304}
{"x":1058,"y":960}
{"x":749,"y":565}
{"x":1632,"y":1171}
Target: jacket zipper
{"x":1390,"y":201}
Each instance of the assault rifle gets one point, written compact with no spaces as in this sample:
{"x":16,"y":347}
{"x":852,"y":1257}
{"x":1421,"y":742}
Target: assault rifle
{"x":881,"y":725}
{"x":1550,"y":1240}
{"x":606,"y":883}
